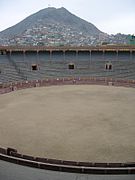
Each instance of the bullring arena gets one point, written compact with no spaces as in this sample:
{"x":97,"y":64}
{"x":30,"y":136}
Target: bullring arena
{"x":70,"y":124}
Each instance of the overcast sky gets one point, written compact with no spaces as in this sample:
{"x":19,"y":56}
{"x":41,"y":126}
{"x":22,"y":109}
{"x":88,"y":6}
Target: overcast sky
{"x":110,"y":16}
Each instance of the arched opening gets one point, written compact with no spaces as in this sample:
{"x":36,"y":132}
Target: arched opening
{"x":108,"y":66}
{"x":34,"y":67}
{"x":71,"y":66}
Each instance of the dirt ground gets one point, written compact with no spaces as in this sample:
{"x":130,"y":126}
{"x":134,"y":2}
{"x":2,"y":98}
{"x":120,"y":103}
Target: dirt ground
{"x":82,"y":122}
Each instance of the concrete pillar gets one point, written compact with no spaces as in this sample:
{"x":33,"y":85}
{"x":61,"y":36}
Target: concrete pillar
{"x":76,"y":59}
{"x":10,"y":53}
{"x":131,"y":58}
{"x":103,"y":55}
{"x":90,"y":59}
{"x":50,"y":56}
{"x":24,"y":56}
{"x":91,"y":55}
{"x":37,"y":59}
{"x":117,"y":55}
{"x":24,"y":59}
{"x":64,"y":55}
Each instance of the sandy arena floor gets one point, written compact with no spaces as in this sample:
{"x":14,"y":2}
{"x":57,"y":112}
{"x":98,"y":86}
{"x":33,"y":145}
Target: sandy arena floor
{"x":83,"y":122}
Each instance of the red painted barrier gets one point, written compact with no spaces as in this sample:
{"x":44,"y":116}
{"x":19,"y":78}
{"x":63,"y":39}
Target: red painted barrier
{"x":6,"y":88}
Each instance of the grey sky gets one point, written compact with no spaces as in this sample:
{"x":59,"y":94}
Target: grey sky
{"x":110,"y":16}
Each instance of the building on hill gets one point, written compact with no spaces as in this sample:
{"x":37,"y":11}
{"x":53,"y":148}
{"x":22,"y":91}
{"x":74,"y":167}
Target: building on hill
{"x":131,"y":40}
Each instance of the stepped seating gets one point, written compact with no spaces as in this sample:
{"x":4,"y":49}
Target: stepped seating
{"x":123,"y":56}
{"x":17,"y":66}
{"x":110,"y":56}
{"x":8,"y":71}
{"x":57,"y":56}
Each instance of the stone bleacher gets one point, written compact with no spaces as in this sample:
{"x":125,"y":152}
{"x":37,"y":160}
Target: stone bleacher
{"x":17,"y":66}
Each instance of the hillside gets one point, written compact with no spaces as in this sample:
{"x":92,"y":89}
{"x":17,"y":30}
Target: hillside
{"x":51,"y":16}
{"x":57,"y":27}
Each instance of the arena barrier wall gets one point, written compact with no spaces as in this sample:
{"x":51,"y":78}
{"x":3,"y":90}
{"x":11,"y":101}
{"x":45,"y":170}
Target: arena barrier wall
{"x":14,"y":86}
{"x":11,"y":155}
